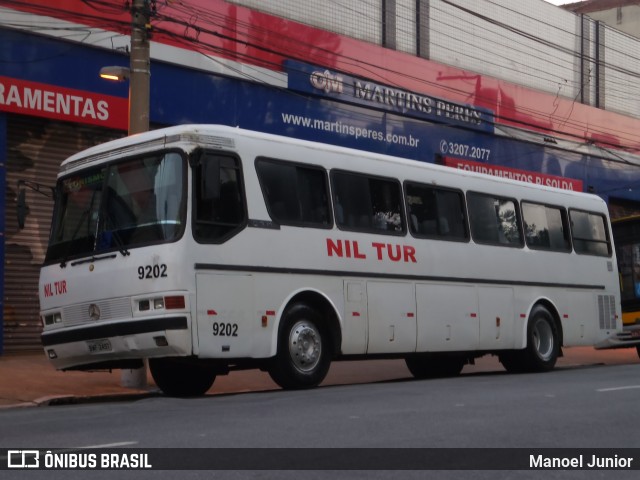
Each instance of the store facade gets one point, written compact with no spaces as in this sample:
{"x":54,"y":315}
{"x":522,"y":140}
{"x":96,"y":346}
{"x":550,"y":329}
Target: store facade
{"x":53,"y":104}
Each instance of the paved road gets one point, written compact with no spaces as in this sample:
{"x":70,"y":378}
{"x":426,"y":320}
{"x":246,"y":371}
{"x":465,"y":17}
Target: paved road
{"x":585,"y":403}
{"x":355,"y":372}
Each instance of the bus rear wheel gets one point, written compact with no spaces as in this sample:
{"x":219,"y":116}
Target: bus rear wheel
{"x":423,"y":367}
{"x":543,"y":345}
{"x":304,"y":350}
{"x":178,"y":377}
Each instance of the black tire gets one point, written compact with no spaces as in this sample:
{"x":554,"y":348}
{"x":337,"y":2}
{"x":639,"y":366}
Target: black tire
{"x":177,"y":377}
{"x":512,"y":361}
{"x":638,"y":350}
{"x":543,"y":345}
{"x":434,"y":366}
{"x":304,"y":349}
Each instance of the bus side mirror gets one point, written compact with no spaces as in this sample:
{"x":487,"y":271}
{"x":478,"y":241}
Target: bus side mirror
{"x":22,"y":208}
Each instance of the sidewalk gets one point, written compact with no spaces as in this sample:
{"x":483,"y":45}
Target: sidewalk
{"x":28,"y":379}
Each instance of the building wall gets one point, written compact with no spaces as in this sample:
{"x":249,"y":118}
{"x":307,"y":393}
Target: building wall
{"x":622,"y":71}
{"x":361,"y":20}
{"x":620,"y":29}
{"x":624,"y":16}
{"x":527,"y":42}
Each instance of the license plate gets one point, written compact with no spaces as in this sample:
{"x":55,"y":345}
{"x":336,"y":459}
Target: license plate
{"x":99,"y":346}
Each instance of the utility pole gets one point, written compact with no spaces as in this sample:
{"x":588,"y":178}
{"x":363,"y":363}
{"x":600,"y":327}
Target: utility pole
{"x":140,"y":72}
{"x":139,"y":93}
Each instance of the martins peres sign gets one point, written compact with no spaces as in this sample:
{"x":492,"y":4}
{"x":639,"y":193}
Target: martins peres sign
{"x":342,"y":87}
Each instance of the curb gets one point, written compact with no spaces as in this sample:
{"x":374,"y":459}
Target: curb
{"x":106,"y":397}
{"x":58,"y":400}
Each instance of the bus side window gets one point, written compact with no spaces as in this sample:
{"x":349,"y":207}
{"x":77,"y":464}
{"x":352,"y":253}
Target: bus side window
{"x":546,"y":227}
{"x":367,"y":204}
{"x":219,"y":210}
{"x":494,"y":220}
{"x":589,"y":233}
{"x":436,"y":212}
{"x":295,"y":194}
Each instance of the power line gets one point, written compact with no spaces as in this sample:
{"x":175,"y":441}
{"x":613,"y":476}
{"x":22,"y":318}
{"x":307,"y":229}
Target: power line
{"x":196,"y":22}
{"x":202,"y":16}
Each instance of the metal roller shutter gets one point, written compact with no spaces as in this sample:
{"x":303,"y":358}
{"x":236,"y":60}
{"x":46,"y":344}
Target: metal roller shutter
{"x":36,"y":147}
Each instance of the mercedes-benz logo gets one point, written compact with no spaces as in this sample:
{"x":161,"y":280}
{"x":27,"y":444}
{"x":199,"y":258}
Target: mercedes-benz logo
{"x":94,"y":312}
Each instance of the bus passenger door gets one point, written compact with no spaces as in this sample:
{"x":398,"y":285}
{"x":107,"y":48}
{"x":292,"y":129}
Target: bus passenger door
{"x":447,"y":317}
{"x":354,"y":336}
{"x":392,"y":317}
{"x":224,"y":316}
{"x":496,"y":317}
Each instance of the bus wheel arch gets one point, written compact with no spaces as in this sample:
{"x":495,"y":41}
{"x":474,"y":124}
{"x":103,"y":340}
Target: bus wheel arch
{"x":308,"y":338}
{"x":544,"y":339}
{"x":320,"y":303}
{"x":551,"y":308}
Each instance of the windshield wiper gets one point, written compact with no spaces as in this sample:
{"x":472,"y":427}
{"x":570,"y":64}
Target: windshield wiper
{"x":120,"y":244}
{"x":110,"y":223}
{"x":93,"y":258}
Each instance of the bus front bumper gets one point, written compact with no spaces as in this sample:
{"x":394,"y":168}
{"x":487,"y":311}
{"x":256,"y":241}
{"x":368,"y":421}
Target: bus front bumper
{"x":117,"y":344}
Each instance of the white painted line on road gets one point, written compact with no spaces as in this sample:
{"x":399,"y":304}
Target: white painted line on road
{"x":109,"y":445}
{"x":614,"y":389}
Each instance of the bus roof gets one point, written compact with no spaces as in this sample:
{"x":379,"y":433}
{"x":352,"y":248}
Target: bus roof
{"x":190,"y":136}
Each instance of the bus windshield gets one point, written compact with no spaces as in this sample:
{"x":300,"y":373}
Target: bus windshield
{"x":119,"y":205}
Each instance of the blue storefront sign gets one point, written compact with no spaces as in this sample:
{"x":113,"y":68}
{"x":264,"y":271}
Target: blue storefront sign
{"x":320,"y":105}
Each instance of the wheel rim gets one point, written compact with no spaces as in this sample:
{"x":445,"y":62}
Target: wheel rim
{"x":305,"y":346}
{"x":543,"y":339}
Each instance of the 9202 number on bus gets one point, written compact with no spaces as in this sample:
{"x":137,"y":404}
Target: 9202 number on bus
{"x":223,"y":329}
{"x":152,"y":271}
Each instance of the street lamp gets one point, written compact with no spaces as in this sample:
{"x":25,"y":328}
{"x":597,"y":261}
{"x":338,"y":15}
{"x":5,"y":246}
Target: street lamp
{"x":138,"y":92}
{"x":115,"y":73}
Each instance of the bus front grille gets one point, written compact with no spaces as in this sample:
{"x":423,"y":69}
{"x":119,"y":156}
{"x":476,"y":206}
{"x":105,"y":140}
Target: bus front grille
{"x":114,"y":308}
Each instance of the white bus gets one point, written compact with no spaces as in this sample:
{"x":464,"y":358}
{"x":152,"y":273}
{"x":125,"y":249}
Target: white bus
{"x":206,"y":249}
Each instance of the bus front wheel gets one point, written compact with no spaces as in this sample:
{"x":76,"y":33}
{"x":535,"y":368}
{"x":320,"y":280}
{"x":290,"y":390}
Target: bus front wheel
{"x":543,"y":345}
{"x":178,"y":377}
{"x":304,"y":350}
